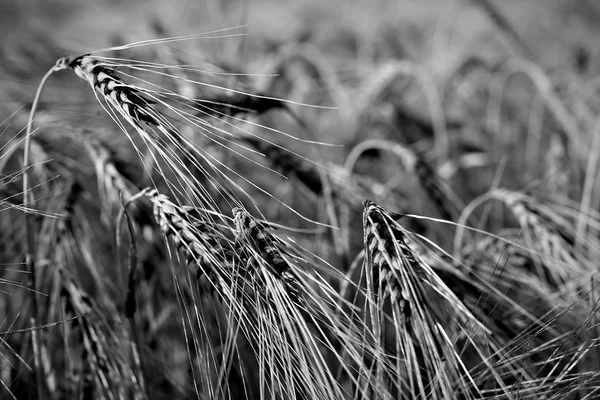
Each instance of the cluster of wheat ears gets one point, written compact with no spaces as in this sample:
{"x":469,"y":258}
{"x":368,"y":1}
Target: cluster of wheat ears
{"x":159,"y":275}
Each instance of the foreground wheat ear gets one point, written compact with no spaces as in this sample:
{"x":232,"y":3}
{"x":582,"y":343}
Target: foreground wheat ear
{"x":426,"y":317}
{"x":257,"y":282}
{"x":247,"y":285}
{"x":262,"y":245}
{"x":173,"y":128}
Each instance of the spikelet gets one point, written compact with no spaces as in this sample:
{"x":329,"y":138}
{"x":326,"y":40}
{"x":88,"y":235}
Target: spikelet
{"x":165,"y":121}
{"x":110,"y":180}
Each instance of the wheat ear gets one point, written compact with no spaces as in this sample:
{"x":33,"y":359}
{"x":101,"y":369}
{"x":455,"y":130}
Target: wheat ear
{"x":437,"y":190}
{"x":264,"y":245}
{"x":552,"y":237}
{"x":417,"y":296}
{"x":205,"y":248}
{"x":108,"y":373}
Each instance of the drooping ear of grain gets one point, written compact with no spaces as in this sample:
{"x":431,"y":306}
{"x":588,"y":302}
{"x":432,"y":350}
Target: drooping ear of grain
{"x":126,"y":98}
{"x":111,"y":180}
{"x":258,"y":289}
{"x":283,"y":301}
{"x":264,"y":246}
{"x":205,"y":249}
{"x":99,"y":350}
{"x":551,"y":236}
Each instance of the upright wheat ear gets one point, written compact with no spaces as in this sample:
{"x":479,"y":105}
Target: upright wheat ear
{"x":426,"y":361}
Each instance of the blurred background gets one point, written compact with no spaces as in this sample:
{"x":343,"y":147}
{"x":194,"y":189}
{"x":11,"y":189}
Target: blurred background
{"x":557,"y":33}
{"x":355,"y":56}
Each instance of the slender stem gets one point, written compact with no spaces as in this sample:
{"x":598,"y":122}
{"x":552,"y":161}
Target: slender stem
{"x":130,"y":301}
{"x":39,"y":328}
{"x":30,"y":235}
